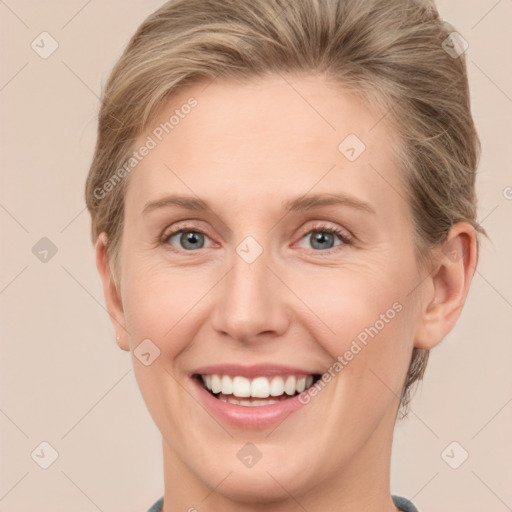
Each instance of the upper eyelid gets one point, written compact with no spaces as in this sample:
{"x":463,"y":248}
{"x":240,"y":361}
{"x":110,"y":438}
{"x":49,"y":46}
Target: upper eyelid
{"x":184,"y":226}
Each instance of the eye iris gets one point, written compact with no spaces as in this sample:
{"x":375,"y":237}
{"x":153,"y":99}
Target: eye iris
{"x":320,"y":237}
{"x":189,"y":240}
{"x":195,"y":240}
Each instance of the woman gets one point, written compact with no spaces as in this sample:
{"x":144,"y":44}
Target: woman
{"x":283,"y":207}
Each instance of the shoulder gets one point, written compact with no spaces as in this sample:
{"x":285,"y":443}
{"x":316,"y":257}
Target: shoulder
{"x":157,"y":506}
{"x":404,"y":504}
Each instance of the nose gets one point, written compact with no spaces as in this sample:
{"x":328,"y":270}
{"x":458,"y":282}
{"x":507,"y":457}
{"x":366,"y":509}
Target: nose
{"x":251,"y":303}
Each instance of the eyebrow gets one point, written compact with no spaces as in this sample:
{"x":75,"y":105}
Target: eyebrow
{"x":306,"y":202}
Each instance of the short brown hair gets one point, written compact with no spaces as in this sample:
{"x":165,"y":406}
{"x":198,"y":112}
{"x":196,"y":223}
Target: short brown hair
{"x":390,"y":52}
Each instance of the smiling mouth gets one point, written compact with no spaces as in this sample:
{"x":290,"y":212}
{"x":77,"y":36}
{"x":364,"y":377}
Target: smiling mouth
{"x":258,"y":391}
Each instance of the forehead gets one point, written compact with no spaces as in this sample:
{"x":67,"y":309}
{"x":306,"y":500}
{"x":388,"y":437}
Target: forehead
{"x":258,"y":140}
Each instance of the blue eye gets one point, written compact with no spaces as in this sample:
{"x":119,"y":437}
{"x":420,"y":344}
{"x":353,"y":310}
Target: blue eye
{"x":323,"y":238}
{"x":188,"y":240}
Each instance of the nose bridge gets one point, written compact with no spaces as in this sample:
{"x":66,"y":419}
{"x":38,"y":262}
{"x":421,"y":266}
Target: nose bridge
{"x":250,"y":302}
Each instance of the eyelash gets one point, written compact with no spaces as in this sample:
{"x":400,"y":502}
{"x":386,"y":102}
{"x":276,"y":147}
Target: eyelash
{"x":322,"y":228}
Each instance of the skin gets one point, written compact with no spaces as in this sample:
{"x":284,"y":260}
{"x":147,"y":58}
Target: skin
{"x":244,"y":149}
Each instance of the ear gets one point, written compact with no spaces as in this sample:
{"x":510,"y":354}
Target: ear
{"x":445,"y":290}
{"x":110,"y":292}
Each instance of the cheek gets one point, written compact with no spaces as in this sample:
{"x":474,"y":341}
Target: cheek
{"x":346,"y":300}
{"x":165,"y":304}
{"x":364,"y":320}
{"x":159,"y":306}
{"x":156,"y":309}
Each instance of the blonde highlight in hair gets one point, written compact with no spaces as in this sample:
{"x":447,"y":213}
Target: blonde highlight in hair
{"x":389,"y":52}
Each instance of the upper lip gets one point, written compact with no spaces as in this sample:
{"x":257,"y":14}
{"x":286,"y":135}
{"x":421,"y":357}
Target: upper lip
{"x":257,"y":370}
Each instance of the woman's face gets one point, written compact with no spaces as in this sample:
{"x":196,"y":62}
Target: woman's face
{"x":241,"y":276}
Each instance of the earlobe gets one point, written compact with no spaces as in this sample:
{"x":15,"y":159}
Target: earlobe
{"x":110,"y":292}
{"x":445,"y":291}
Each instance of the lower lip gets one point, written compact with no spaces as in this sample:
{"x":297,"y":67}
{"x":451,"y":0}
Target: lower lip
{"x":259,"y":416}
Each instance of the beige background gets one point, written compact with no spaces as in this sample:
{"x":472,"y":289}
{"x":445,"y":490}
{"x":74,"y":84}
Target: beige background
{"x":64,"y":381}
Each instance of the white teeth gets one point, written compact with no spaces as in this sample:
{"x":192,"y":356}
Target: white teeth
{"x":241,"y":387}
{"x":277,"y":386}
{"x":216,"y":385}
{"x":227,"y":385}
{"x":259,"y":387}
{"x":289,"y":385}
{"x":246,"y":403}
